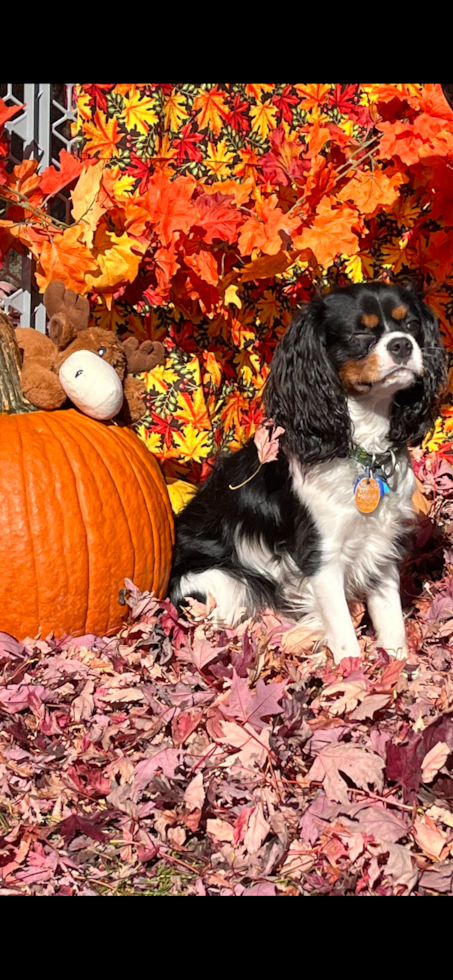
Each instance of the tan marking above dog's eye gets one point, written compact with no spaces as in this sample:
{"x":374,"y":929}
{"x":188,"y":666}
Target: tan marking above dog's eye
{"x":399,"y":312}
{"x":370,"y":320}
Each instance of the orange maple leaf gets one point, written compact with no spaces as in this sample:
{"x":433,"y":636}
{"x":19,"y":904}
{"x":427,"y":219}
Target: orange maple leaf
{"x":169,"y":205}
{"x":267,"y":266}
{"x":30,"y":236}
{"x":65,"y":258}
{"x":240,"y":190}
{"x":53,"y":180}
{"x":372,"y":190}
{"x":262,"y":231}
{"x":399,"y":140}
{"x":431,"y":100}
{"x":102,"y":136}
{"x":318,"y":136}
{"x":331,"y":233}
{"x":24,"y":177}
{"x":312,"y":95}
{"x":8,"y":111}
{"x":166,"y":260}
{"x":205,"y":266}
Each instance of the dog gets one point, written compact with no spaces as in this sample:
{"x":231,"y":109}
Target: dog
{"x":354,"y":380}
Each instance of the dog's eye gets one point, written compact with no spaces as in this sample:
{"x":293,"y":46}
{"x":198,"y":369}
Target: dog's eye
{"x":412,"y":325}
{"x":102,"y":351}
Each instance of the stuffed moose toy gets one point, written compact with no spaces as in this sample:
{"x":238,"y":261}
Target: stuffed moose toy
{"x":88,"y":365}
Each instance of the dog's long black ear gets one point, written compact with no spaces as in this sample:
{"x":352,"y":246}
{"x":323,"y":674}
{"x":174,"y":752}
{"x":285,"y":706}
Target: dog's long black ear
{"x":414,"y":409}
{"x":303,"y":392}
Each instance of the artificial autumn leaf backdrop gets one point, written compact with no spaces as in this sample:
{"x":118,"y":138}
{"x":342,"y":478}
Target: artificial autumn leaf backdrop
{"x":203,"y":214}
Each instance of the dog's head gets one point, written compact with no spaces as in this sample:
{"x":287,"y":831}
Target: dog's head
{"x":368,"y":341}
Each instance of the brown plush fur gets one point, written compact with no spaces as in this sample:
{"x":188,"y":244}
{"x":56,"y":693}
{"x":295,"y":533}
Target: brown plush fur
{"x":43,"y":356}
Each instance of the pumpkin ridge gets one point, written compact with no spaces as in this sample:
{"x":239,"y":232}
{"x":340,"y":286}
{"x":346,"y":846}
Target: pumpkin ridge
{"x":162,"y":493}
{"x":27,"y":509}
{"x":82,"y":432}
{"x":51,"y":424}
{"x":161,"y":523}
{"x":15,"y":548}
{"x":145,"y":482}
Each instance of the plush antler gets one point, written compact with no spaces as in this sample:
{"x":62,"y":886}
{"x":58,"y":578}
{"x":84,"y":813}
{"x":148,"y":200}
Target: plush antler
{"x":68,"y":312}
{"x":143,"y":357}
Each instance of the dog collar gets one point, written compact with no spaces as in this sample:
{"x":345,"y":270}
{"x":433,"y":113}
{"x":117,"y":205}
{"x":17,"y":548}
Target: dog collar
{"x":372,"y":484}
{"x":384,"y":462}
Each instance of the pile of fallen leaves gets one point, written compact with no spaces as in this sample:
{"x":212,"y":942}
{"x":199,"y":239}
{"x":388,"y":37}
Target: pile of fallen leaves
{"x":176,"y":758}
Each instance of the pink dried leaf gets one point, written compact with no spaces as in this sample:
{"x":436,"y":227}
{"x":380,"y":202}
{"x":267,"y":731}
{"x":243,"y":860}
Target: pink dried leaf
{"x":165,"y":759}
{"x":434,"y":760}
{"x":431,"y":841}
{"x":369,"y":706}
{"x":264,"y":888}
{"x":83,"y":706}
{"x":383,"y":825}
{"x":195,"y":793}
{"x":254,"y":707}
{"x":220,"y":830}
{"x":364,"y":768}
{"x":257,"y":829}
{"x":266,"y":441}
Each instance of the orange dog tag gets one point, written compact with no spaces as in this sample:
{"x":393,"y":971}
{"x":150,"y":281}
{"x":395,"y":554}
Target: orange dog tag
{"x":367,"y":495}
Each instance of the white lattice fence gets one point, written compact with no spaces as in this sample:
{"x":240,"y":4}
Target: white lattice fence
{"x":39,"y":132}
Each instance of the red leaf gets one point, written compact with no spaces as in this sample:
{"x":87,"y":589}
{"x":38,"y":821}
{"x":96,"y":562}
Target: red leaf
{"x":69,"y":827}
{"x":8,"y":111}
{"x":217,"y":217}
{"x":254,"y":707}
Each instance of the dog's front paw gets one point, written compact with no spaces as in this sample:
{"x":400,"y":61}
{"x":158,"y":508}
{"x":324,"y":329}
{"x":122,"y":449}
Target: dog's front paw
{"x":395,"y":646}
{"x":340,"y":652}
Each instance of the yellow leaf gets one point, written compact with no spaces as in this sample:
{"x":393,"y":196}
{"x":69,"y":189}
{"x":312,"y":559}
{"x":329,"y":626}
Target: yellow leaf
{"x":433,"y":441}
{"x":85,"y":207}
{"x":152,"y":439}
{"x":218,"y":159}
{"x":263,"y":116}
{"x":174,"y":110}
{"x":160,"y":378}
{"x":191,"y":443}
{"x":83,"y":108}
{"x":139,"y":113}
{"x":212,"y":110}
{"x":117,"y":261}
{"x":124,"y":185}
{"x":255,"y":91}
{"x":231,"y":296}
{"x":192,"y":408}
{"x":353,"y":268}
{"x":102,"y":136}
{"x":180,"y":493}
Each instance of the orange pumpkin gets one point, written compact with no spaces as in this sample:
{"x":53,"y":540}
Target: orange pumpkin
{"x":82,"y":506}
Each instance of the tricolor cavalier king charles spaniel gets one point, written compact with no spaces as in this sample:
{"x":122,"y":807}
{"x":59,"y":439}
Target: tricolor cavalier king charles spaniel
{"x":354,"y":380}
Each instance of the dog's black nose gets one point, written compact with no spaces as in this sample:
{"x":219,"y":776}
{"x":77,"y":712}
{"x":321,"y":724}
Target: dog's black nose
{"x":400,"y":348}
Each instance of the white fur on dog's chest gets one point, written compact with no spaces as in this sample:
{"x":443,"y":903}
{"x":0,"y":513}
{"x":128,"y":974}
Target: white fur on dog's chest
{"x":360,"y":544}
